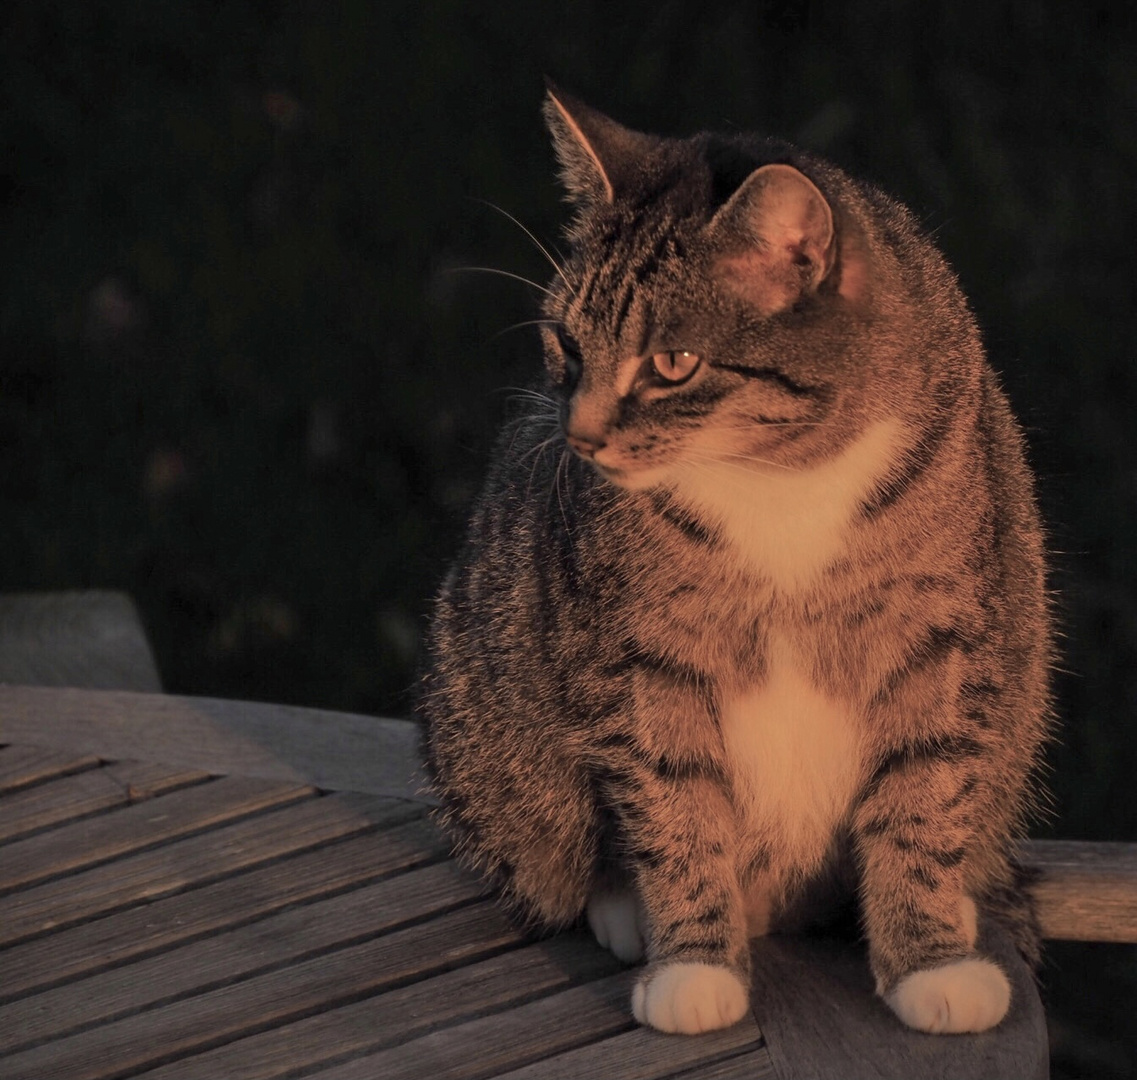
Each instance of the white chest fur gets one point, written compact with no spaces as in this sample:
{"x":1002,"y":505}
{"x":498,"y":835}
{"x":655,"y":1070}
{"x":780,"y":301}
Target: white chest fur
{"x":790,"y":524}
{"x":796,"y":758}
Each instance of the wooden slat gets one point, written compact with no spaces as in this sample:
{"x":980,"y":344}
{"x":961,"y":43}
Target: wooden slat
{"x":398,"y":1015}
{"x":1087,"y":891}
{"x":159,"y":1035}
{"x":90,"y":638}
{"x":85,"y":793}
{"x":24,"y":765}
{"x":752,"y":1066}
{"x":814,"y":1002}
{"x":290,"y":936}
{"x":494,"y":1044}
{"x":87,"y":843}
{"x":643,"y":1054}
{"x":175,"y":867}
{"x":330,"y":750}
{"x":210,"y":908}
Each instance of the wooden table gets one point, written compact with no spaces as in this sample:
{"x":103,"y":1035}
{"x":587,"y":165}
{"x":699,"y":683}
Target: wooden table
{"x":203,"y":889}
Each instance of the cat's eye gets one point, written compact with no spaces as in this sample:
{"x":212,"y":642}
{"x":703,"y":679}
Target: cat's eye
{"x":570,"y":350}
{"x":675,"y":366}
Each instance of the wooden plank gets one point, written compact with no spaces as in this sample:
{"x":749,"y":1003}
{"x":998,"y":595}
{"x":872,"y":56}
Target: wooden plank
{"x":173,"y":868}
{"x":239,"y":954}
{"x":90,"y":638}
{"x":330,"y":750}
{"x":752,"y":1066}
{"x":402,"y":1014}
{"x":494,"y":1044}
{"x":1087,"y":891}
{"x":813,"y":999}
{"x":82,"y":794}
{"x":643,"y":1054}
{"x":21,"y":766}
{"x":159,"y":1035}
{"x":164,"y":923}
{"x":150,"y":822}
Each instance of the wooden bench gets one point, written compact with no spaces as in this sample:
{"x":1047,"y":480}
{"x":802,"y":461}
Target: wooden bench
{"x":91,"y":638}
{"x":199,"y":889}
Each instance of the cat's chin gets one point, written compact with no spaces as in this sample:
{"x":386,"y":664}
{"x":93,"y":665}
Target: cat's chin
{"x":632,"y":479}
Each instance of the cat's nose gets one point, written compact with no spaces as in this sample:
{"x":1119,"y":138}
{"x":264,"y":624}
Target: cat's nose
{"x":584,"y":445}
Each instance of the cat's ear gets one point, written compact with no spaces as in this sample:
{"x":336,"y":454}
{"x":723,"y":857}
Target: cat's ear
{"x":597,"y":155}
{"x":777,"y":237}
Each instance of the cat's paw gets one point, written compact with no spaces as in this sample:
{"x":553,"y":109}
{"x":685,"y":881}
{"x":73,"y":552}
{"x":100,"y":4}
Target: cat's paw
{"x":966,"y":995}
{"x":688,"y":998}
{"x":615,"y":921}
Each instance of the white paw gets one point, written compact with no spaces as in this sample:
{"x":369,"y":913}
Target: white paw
{"x":967,"y":995}
{"x":689,"y":998}
{"x":616,"y":923}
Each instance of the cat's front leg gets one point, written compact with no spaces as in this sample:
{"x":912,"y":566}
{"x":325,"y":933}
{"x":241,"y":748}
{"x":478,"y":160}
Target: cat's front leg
{"x":678,"y":838}
{"x":914,"y":831}
{"x":698,"y":973}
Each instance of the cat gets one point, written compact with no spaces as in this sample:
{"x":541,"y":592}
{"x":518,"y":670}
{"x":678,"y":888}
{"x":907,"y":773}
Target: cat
{"x":752,"y":611}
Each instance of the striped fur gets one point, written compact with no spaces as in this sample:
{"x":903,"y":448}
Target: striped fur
{"x":774,"y":633}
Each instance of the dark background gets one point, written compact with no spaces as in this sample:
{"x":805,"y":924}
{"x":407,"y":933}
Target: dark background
{"x":244,"y":378}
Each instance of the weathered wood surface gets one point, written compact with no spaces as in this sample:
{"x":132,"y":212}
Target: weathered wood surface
{"x":273,"y":742}
{"x":1087,"y":891}
{"x":164,"y":915}
{"x":92,"y":639}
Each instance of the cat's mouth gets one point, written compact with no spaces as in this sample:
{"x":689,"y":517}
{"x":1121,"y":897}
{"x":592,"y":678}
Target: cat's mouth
{"x":636,"y":477}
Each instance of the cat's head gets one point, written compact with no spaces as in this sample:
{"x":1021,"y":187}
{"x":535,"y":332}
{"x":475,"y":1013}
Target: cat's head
{"x":705,"y":310}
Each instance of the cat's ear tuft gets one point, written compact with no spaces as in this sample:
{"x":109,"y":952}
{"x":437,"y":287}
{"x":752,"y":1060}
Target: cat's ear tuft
{"x":777,"y":237}
{"x":597,"y":155}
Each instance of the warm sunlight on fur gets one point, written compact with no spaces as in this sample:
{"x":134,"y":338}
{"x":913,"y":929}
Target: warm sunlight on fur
{"x":968,"y":995}
{"x":689,"y":998}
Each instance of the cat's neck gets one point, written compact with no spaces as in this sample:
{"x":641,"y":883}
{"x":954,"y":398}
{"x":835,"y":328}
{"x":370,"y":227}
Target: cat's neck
{"x":787,"y":525}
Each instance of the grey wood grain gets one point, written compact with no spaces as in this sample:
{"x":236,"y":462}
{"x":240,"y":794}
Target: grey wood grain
{"x":752,"y":1066}
{"x":153,"y":1037}
{"x":813,"y":999}
{"x":203,"y":908}
{"x":172,"y":868}
{"x":81,"y":794}
{"x":330,"y":750}
{"x":142,"y":825}
{"x":21,"y":766}
{"x":643,"y":1054}
{"x":1087,"y":891}
{"x":497,"y":1043}
{"x":238,"y":954}
{"x":92,"y":638}
{"x":399,"y":1015}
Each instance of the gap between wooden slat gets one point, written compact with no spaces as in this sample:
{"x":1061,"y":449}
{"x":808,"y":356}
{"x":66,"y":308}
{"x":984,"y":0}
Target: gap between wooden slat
{"x":258,"y":948}
{"x":81,"y":796}
{"x":342,"y":858}
{"x":643,"y":1054}
{"x":385,"y":1019}
{"x":26,"y":766}
{"x":208,"y":1020}
{"x":508,"y":1040}
{"x":173,"y":868}
{"x":133,"y":828}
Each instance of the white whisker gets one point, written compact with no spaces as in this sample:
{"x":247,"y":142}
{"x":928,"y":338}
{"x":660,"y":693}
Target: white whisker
{"x":540,"y":247}
{"x":502,"y":273}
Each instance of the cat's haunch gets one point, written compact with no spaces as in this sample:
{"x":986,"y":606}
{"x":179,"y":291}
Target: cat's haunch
{"x":751,"y":615}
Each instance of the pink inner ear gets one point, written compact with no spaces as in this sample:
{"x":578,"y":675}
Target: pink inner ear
{"x":780,"y":237}
{"x":769,"y":281}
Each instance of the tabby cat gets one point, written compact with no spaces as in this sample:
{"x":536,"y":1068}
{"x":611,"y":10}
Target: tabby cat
{"x":752,"y":609}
